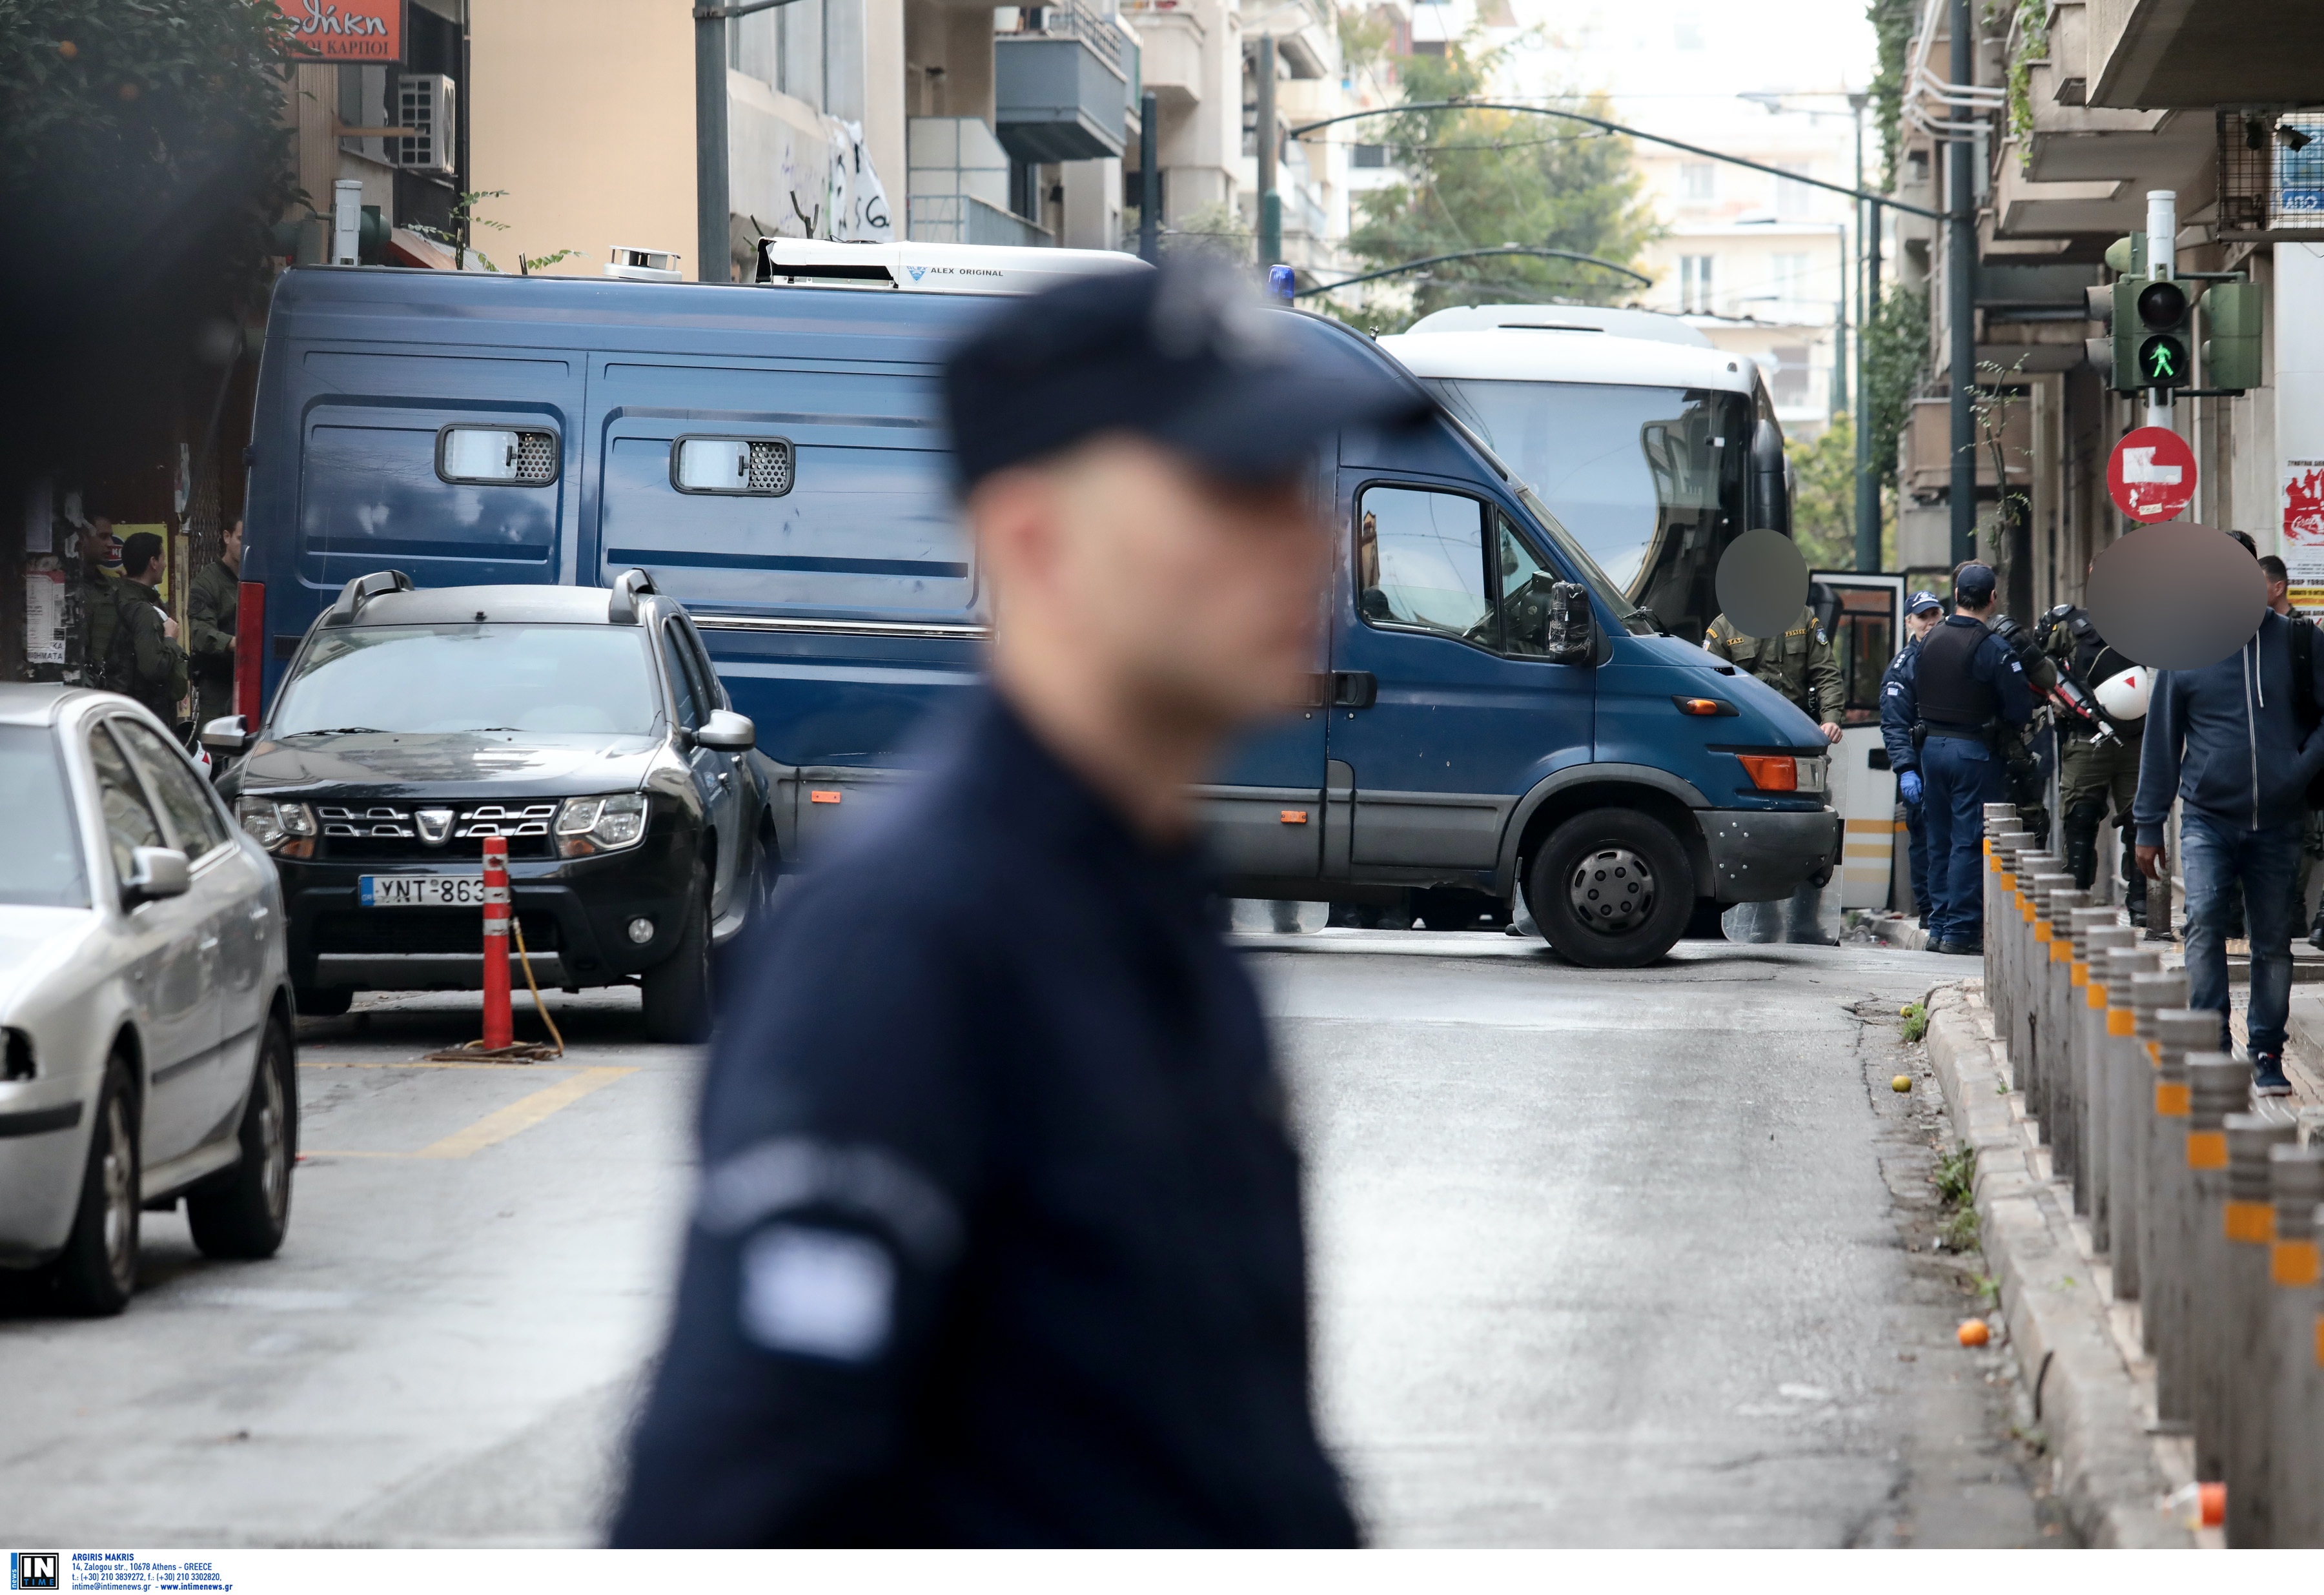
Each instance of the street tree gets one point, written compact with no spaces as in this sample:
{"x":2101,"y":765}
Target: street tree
{"x":1481,"y":178}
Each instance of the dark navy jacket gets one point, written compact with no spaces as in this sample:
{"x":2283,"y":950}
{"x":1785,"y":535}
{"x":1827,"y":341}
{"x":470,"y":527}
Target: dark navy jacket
{"x":2226,"y":738}
{"x":1899,"y":709}
{"x":1994,"y":664}
{"x":999,"y":1238}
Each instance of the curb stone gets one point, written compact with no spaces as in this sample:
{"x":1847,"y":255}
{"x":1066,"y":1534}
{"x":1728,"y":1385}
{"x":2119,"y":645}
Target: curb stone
{"x":2109,"y":1473}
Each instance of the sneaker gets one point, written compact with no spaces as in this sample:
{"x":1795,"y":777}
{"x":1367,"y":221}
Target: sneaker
{"x":2267,"y":1076}
{"x":2316,"y":934}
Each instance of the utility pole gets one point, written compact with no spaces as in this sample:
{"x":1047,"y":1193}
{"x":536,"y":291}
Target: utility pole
{"x":1867,"y":307}
{"x":1270,"y":203}
{"x":710,"y":201}
{"x":2161,"y":265}
{"x":1150,"y":183}
{"x":1960,"y":289}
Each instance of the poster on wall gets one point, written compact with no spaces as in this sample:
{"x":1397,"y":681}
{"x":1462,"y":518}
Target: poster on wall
{"x":345,"y":30}
{"x":44,"y":612}
{"x":2303,"y":533}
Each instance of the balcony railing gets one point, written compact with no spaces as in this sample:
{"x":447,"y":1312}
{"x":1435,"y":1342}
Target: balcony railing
{"x":964,"y":219}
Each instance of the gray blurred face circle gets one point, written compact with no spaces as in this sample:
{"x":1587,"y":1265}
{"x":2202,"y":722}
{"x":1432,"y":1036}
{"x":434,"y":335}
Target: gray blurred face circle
{"x":1763,"y":583}
{"x":2176,"y":597}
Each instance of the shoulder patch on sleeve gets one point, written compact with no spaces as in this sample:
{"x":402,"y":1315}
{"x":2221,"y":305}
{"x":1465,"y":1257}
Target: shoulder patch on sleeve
{"x":817,"y":1293}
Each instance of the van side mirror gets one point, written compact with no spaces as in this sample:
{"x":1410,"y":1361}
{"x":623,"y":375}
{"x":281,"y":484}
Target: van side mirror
{"x":726,"y":730}
{"x":154,"y":872}
{"x":229,"y":734}
{"x":1570,"y":635}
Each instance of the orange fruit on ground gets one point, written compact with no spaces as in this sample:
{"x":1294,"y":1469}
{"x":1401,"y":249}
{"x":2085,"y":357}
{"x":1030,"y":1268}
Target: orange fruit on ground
{"x":68,"y":48}
{"x":1973,"y":1332}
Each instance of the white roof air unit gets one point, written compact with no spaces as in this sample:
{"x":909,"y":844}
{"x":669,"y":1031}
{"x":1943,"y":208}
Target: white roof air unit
{"x":930,"y":268}
{"x":633,"y":264}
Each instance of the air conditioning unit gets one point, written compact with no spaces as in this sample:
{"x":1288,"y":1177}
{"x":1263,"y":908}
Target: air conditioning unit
{"x":427,"y":102}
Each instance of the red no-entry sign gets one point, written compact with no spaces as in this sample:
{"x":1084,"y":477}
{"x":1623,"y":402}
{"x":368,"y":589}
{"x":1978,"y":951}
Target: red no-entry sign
{"x":2151,"y":474}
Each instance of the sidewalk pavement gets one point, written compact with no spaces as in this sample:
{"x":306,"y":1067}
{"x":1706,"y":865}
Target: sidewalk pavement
{"x":2092,"y":1388}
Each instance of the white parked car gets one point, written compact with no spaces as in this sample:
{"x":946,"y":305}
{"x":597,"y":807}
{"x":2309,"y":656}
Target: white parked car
{"x":146,"y":1050}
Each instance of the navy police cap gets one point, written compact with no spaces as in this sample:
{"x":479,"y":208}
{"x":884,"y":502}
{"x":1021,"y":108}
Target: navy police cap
{"x":1922,"y":600}
{"x":1185,"y":355}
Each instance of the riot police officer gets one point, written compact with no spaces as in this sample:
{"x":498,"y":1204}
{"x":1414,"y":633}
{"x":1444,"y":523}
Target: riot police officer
{"x":1800,"y":664}
{"x":1971,"y":694}
{"x":2094,"y":769}
{"x":1899,"y":711}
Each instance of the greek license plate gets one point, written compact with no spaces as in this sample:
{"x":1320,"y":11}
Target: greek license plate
{"x":422,"y":891}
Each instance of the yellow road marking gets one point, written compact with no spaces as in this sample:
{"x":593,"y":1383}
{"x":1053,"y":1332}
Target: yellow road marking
{"x":500,"y":1124}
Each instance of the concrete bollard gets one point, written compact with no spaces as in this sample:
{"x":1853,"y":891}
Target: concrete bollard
{"x":1998,"y":818}
{"x":2026,"y":951}
{"x":2163,"y":1258}
{"x":2217,"y":1088}
{"x":2050,"y":1049}
{"x":2034,"y":984}
{"x":2136,"y":1065}
{"x":2239,"y":1349}
{"x":2114,"y":1051}
{"x":2002,"y":924}
{"x":2282,"y":1488}
{"x":2097,"y":932}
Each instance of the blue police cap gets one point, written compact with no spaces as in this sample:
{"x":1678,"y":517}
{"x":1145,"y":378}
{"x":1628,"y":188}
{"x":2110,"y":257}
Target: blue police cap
{"x":1975,"y":583}
{"x":1922,"y":600}
{"x":1185,"y":355}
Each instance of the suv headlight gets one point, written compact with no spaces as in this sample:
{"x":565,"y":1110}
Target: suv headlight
{"x":600,"y":825}
{"x":285,"y":828}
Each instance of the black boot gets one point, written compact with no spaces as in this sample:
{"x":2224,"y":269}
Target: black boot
{"x":2133,"y":898}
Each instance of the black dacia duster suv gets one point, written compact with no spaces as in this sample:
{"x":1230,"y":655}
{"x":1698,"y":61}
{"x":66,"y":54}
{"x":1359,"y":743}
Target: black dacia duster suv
{"x":584,"y":725}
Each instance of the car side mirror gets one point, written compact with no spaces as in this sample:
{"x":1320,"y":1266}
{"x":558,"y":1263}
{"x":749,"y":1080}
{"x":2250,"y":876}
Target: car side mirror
{"x":1770,"y":496}
{"x":228,"y":734}
{"x":154,"y":872}
{"x":1570,"y":636}
{"x":726,"y":730}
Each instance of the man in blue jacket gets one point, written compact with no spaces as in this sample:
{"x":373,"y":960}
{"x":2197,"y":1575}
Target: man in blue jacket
{"x":1970,"y":689}
{"x":1899,"y":709}
{"x":2227,"y":742}
{"x":998,"y":1239}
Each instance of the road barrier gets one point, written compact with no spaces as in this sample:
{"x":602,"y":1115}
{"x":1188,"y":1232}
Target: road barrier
{"x":500,"y":1022}
{"x":2208,"y":1210}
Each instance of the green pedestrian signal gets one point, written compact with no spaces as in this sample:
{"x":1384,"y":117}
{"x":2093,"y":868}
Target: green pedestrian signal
{"x":2162,"y":361}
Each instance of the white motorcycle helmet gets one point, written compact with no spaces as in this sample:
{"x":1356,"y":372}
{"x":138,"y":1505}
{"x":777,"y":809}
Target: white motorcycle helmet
{"x":2124,"y":696}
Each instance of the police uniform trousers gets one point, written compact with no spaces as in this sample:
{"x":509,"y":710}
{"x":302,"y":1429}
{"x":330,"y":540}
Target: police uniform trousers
{"x":1959,"y":776}
{"x":1915,"y":817}
{"x":2093,"y":776}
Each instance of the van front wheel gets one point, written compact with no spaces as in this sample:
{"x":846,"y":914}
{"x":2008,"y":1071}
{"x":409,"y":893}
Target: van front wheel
{"x":1612,"y":890}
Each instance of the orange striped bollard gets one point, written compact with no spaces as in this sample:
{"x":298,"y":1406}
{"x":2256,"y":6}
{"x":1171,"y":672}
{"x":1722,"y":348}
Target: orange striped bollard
{"x":499,"y":1029}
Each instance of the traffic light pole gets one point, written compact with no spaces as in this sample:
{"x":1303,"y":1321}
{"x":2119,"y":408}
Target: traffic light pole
{"x":2162,"y":266}
{"x":1961,"y":283}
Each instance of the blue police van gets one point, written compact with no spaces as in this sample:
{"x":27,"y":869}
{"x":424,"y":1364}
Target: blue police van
{"x":1496,"y":711}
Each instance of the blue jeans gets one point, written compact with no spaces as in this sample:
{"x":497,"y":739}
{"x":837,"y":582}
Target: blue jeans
{"x":2221,"y":859}
{"x":1958,"y":780}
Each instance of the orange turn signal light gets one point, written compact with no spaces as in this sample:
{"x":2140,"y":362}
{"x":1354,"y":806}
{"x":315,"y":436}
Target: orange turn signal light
{"x":1295,"y":817}
{"x":1771,"y":772}
{"x":817,"y":797}
{"x":1700,"y":705}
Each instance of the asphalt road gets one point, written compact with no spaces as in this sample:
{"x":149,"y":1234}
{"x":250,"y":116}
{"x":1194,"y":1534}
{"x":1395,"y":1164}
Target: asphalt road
{"x":1609,"y":1259}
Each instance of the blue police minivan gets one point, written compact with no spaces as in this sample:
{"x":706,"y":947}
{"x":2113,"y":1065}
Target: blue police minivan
{"x":1496,"y":711}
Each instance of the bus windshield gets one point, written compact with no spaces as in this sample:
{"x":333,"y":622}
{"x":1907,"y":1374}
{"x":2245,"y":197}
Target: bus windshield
{"x":1650,"y":481}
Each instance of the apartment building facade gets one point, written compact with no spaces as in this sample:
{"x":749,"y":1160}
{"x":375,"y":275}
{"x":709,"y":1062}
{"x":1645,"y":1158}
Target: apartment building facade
{"x":2077,"y":110}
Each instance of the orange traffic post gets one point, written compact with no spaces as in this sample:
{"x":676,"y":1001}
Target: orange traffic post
{"x":499,"y":1029}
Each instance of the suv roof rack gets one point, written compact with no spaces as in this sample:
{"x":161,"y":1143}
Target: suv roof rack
{"x":362,"y":591}
{"x":622,"y":607}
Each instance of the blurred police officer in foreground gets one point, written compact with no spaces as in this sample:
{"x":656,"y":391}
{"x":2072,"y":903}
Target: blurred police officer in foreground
{"x":2091,"y":771}
{"x":2311,"y":828}
{"x":1799,"y":664}
{"x":998,"y":1235}
{"x":1923,"y":613}
{"x":1971,"y":691}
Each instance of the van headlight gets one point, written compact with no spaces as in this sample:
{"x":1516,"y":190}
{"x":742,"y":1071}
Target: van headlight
{"x":285,"y":828}
{"x":587,"y":825}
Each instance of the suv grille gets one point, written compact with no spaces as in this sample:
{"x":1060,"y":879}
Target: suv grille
{"x":425,"y":930}
{"x":388,"y":831}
